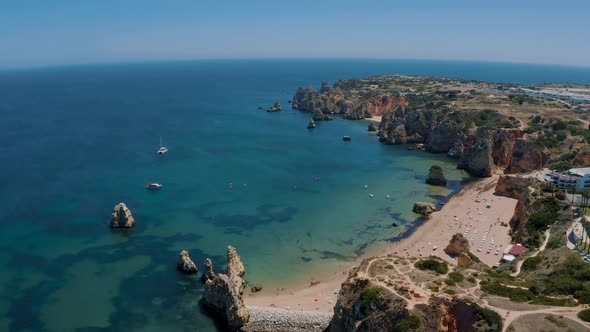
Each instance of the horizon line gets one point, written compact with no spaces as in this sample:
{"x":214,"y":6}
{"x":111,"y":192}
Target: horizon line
{"x":159,"y":61}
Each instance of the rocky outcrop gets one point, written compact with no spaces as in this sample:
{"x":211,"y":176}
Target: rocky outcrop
{"x":372,"y":127}
{"x":436,"y":176}
{"x":581,"y":159}
{"x":311,"y":124}
{"x":504,"y":141}
{"x":480,"y":151}
{"x":525,"y":158}
{"x":458,"y":245}
{"x":275,"y":107}
{"x":185,"y":264}
{"x":444,"y":135}
{"x":235,"y":267}
{"x":477,"y":158}
{"x":208,"y":274}
{"x":330,"y":100}
{"x":121,"y":217}
{"x":522,"y":189}
{"x":424,"y":208}
{"x":362,"y":306}
{"x":223,"y":293}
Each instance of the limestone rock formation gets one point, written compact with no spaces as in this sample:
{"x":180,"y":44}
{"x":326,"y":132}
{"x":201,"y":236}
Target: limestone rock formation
{"x":121,"y":217}
{"x":477,"y":159}
{"x":223,"y":293}
{"x":185,"y":264}
{"x":582,"y":158}
{"x":372,"y":127}
{"x":444,"y":135}
{"x":275,"y":107}
{"x":458,"y":245}
{"x":311,"y":124}
{"x":436,"y":176}
{"x":208,"y":274}
{"x":235,"y":267}
{"x":362,"y":306}
{"x":521,"y":188}
{"x":456,"y":150}
{"x":424,"y":208}
{"x":318,"y":115}
{"x":525,"y":158}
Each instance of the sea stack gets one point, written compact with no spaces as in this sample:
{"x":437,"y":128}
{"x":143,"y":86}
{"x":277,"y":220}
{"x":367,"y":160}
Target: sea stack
{"x":424,"y":208}
{"x":459,"y":247}
{"x":121,"y":217}
{"x":275,"y":107}
{"x":208,"y":274}
{"x":436,"y":176}
{"x":185,"y":264}
{"x":311,"y":124}
{"x":372,"y":127}
{"x":223,"y":293}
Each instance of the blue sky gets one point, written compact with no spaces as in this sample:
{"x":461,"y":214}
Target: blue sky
{"x":39,"y":33}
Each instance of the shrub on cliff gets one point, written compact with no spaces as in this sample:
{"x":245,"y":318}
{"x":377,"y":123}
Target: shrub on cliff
{"x":531,"y":263}
{"x":412,"y":323}
{"x":433,"y":265}
{"x":584,"y":315}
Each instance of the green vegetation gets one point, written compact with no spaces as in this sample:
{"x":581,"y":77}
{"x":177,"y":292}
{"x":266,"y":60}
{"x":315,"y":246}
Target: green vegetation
{"x":450,"y":282}
{"x":584,"y":315}
{"x":514,"y":294}
{"x":450,"y":291}
{"x":492,"y":118}
{"x":545,"y":212}
{"x":488,"y":320}
{"x":412,"y":323}
{"x":370,"y":294}
{"x":474,"y":258}
{"x":456,"y":276}
{"x":433,"y":265}
{"x":471,"y":280}
{"x":573,"y":277}
{"x":531,"y":263}
{"x":554,"y":301}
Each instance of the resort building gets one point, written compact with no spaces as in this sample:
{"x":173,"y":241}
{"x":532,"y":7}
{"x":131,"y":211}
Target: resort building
{"x":578,"y":177}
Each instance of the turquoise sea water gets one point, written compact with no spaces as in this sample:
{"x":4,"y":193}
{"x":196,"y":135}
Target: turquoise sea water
{"x":78,"y":140}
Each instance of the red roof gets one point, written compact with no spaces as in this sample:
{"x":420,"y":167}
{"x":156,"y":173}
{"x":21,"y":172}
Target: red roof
{"x":517,"y":249}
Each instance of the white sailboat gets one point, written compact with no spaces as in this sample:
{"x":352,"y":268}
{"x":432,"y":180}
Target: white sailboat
{"x":162,"y":149}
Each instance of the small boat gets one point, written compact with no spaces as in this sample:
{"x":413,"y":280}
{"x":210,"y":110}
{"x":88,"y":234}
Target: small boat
{"x":366,"y":186}
{"x":346,"y":138}
{"x":387,"y":196}
{"x":153,"y":186}
{"x":371,"y":195}
{"x":162,"y":149}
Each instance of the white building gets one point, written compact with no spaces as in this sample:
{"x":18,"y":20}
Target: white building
{"x":581,"y":176}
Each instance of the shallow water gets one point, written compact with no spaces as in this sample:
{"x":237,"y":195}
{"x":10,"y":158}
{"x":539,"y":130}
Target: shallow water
{"x":78,"y":140}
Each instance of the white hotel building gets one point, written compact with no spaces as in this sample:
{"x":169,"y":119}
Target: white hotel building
{"x":580,"y":177}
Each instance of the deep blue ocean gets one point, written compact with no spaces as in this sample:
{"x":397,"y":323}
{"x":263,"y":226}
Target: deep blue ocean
{"x":77,"y":140}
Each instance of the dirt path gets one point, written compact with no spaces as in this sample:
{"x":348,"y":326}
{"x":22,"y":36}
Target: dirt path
{"x":541,"y":248}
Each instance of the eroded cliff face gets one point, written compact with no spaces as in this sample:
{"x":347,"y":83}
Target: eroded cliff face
{"x":520,"y":188}
{"x":331,"y":100}
{"x":525,"y":158}
{"x":480,"y":151}
{"x":365,"y":305}
{"x":223,"y":292}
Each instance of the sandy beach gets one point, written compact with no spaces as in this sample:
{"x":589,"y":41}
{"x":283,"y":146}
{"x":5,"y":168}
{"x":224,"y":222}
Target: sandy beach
{"x":467,"y":212}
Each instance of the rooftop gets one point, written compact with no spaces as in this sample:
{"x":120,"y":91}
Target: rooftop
{"x":517,"y":249}
{"x":580,"y":171}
